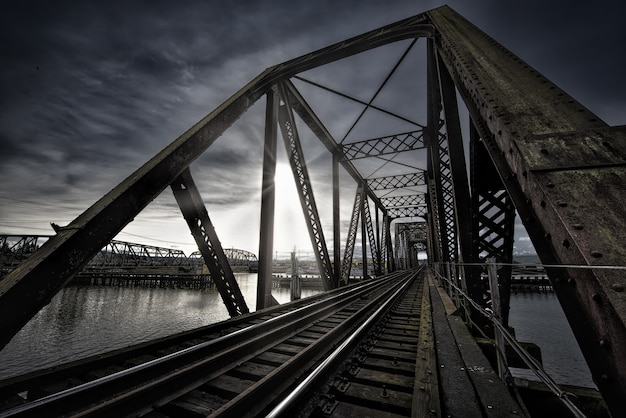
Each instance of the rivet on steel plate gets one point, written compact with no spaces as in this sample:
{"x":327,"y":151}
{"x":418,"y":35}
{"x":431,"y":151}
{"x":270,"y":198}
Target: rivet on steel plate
{"x":578,"y":226}
{"x":563,"y":204}
{"x":604,"y":343}
{"x":617,"y":287}
{"x":596,"y":254}
{"x":544,"y":151}
{"x":384,"y":394}
{"x":542,"y":204}
{"x":550,"y":185}
{"x":566,"y":243}
{"x":597,"y":297}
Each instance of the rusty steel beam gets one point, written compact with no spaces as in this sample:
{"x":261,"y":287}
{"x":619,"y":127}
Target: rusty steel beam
{"x":565,"y":170}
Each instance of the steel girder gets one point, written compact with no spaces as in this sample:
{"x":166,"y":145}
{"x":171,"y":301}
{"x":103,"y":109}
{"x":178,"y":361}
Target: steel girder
{"x":383,"y":246}
{"x":348,"y":254}
{"x":438,"y":249}
{"x":268,"y":199}
{"x":305,"y":191}
{"x":565,"y":171}
{"x":336,"y":221}
{"x":407,"y":141}
{"x":399,"y":181}
{"x":374,"y":251}
{"x":406,"y":212}
{"x":459,"y":185}
{"x":193,"y":209}
{"x":405,"y":200}
{"x":440,"y":181}
{"x":391,"y":261}
{"x":304,"y":111}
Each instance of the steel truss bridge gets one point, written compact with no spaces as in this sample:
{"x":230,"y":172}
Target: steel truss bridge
{"x":118,"y":255}
{"x":533,"y":150}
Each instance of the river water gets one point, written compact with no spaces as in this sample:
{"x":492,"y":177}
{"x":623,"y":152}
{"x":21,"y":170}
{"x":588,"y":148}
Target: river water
{"x":81,"y":321}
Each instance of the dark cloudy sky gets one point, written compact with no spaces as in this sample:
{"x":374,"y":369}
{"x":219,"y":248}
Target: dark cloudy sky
{"x":89,"y":91}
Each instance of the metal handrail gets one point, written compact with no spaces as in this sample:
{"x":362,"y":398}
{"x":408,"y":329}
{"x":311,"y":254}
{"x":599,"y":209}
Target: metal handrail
{"x":521,"y":351}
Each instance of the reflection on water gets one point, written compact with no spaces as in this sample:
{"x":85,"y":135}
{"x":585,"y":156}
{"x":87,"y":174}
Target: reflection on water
{"x":83,"y":321}
{"x":538,"y":318}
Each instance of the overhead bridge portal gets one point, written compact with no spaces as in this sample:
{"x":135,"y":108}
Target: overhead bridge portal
{"x":533,"y":150}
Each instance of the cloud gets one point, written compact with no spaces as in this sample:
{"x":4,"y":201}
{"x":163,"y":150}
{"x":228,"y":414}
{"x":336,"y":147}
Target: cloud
{"x":93,"y":90}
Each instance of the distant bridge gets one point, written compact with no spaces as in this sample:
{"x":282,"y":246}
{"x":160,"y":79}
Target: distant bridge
{"x":119,"y":255}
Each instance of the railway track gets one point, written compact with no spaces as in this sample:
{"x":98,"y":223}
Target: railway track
{"x":277,"y":361}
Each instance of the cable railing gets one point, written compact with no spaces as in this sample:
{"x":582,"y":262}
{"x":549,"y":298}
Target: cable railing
{"x":451,"y":279}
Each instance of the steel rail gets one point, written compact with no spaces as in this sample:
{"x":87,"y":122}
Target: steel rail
{"x":287,"y":403}
{"x":26,"y":382}
{"x":264,"y":392}
{"x":181,"y":363}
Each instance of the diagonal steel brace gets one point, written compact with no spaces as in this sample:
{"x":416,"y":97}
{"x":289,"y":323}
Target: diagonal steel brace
{"x":195,"y":213}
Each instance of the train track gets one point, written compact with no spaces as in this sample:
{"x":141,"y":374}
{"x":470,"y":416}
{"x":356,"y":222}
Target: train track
{"x":276,"y":361}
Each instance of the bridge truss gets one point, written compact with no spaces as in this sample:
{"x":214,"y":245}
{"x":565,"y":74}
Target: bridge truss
{"x":533,"y":149}
{"x":118,"y":255}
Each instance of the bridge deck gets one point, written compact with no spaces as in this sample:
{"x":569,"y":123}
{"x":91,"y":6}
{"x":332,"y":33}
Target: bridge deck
{"x":415,"y":358}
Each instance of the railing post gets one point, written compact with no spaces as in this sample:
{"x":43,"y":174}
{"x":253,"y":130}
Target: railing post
{"x":497,"y":316}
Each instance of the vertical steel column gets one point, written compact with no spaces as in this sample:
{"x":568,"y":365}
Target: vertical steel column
{"x":383,"y":247}
{"x":445,"y":222}
{"x":390,"y":258}
{"x":346,"y":266}
{"x":193,"y":210}
{"x":379,"y":245}
{"x":268,"y":195}
{"x":336,"y":221}
{"x":367,"y":219}
{"x":363,"y":231}
{"x":460,"y":185}
{"x":456,"y":155}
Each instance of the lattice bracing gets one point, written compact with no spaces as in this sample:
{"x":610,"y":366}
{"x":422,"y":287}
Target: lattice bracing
{"x":398,"y":181}
{"x":392,"y":144}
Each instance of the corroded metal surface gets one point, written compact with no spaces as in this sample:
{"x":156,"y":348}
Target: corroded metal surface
{"x":564,"y":169}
